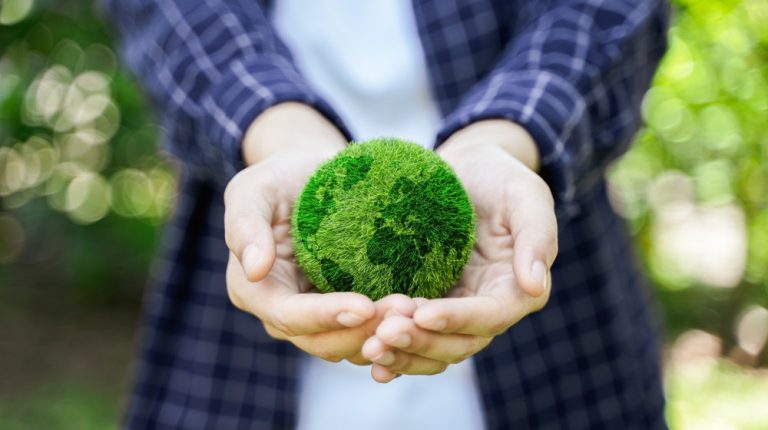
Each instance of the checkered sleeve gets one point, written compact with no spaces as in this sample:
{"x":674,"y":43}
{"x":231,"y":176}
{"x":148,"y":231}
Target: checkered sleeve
{"x":573,"y":74}
{"x":210,"y":67}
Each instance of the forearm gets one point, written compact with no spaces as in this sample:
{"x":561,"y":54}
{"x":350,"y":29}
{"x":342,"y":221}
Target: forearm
{"x":493,"y":135}
{"x":291,"y":126}
{"x":572,"y":76}
{"x":210,"y":73}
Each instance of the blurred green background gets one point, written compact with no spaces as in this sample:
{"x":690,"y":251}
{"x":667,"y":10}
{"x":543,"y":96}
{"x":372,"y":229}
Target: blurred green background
{"x":84,"y":192}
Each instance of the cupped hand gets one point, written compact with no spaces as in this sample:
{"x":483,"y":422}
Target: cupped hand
{"x":284,"y":146}
{"x":507,"y":276}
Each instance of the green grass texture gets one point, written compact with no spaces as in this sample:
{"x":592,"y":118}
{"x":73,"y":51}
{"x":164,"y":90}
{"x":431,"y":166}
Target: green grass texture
{"x":384,"y":216}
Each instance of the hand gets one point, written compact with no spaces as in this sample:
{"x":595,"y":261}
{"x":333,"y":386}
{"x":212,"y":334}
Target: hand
{"x":507,"y":276}
{"x":284,"y":146}
{"x":319,"y":324}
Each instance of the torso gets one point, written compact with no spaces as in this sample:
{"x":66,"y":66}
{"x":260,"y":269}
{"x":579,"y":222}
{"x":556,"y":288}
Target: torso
{"x":366,"y":59}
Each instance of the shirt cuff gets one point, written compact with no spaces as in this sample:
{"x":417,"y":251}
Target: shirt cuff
{"x":244,"y":91}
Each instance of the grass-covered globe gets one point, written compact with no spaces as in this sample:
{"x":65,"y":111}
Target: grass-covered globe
{"x":383,"y":217}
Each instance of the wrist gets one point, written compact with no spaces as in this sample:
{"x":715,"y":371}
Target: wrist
{"x":494,"y":135}
{"x":290,"y":126}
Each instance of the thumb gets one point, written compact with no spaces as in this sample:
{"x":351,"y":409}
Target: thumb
{"x":535,"y":247}
{"x":248,"y":225}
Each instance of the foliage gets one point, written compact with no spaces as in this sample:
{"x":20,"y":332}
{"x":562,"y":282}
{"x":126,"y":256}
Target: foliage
{"x":363,"y":229}
{"x":712,"y":395}
{"x":695,"y":185}
{"x":82,"y":189}
{"x":63,"y":405}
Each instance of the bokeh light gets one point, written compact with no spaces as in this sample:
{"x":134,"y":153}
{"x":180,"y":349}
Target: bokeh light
{"x":13,"y":171}
{"x":695,"y":185}
{"x":70,"y":103}
{"x":752,"y":329}
{"x":133,"y":192}
{"x":13,"y":11}
{"x":87,"y":198}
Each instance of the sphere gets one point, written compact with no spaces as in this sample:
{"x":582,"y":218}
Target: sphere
{"x":382,"y":217}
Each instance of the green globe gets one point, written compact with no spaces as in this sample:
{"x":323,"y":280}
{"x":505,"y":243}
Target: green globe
{"x":384,"y":216}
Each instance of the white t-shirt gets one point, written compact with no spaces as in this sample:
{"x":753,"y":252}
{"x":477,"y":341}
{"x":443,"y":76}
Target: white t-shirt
{"x":365,"y":58}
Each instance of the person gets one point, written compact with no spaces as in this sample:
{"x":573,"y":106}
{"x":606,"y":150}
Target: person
{"x":528,"y":102}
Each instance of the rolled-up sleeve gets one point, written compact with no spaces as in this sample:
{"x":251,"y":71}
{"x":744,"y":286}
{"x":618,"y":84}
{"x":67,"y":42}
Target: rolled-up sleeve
{"x":573,"y":74}
{"x":210,"y":67}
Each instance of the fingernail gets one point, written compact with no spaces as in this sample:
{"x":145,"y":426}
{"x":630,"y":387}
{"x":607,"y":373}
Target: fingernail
{"x":348,"y":319}
{"x":539,"y":273}
{"x":402,"y":341}
{"x":386,"y":358}
{"x":250,"y":257}
{"x":397,"y":375}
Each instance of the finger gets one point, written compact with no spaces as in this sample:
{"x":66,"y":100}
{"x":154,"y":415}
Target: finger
{"x":334,"y":346}
{"x":374,"y":348}
{"x":395,"y":304}
{"x":382,"y":374}
{"x":403,"y":334}
{"x":477,"y":315}
{"x":534,"y":229}
{"x":308,"y":313}
{"x":248,"y":224}
{"x":400,"y":362}
{"x":358,"y":359}
{"x":294,"y":313}
{"x":346,"y":343}
{"x":273,"y":332}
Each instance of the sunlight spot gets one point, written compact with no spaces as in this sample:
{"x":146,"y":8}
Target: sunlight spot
{"x":164,"y":185}
{"x":13,"y":171}
{"x":714,"y":182}
{"x":45,"y":95}
{"x":695,"y":345}
{"x":90,"y":109}
{"x":87,"y":198}
{"x":704,"y":244}
{"x":131,"y":192}
{"x":752,"y":329}
{"x":13,"y":11}
{"x":93,"y":82}
{"x":678,"y":64}
{"x":86,"y":148}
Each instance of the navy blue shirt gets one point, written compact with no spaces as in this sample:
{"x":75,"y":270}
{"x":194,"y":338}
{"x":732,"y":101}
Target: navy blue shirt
{"x":572,"y":72}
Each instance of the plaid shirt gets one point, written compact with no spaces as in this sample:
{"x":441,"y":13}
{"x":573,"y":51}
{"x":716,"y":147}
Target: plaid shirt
{"x":572,"y":72}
